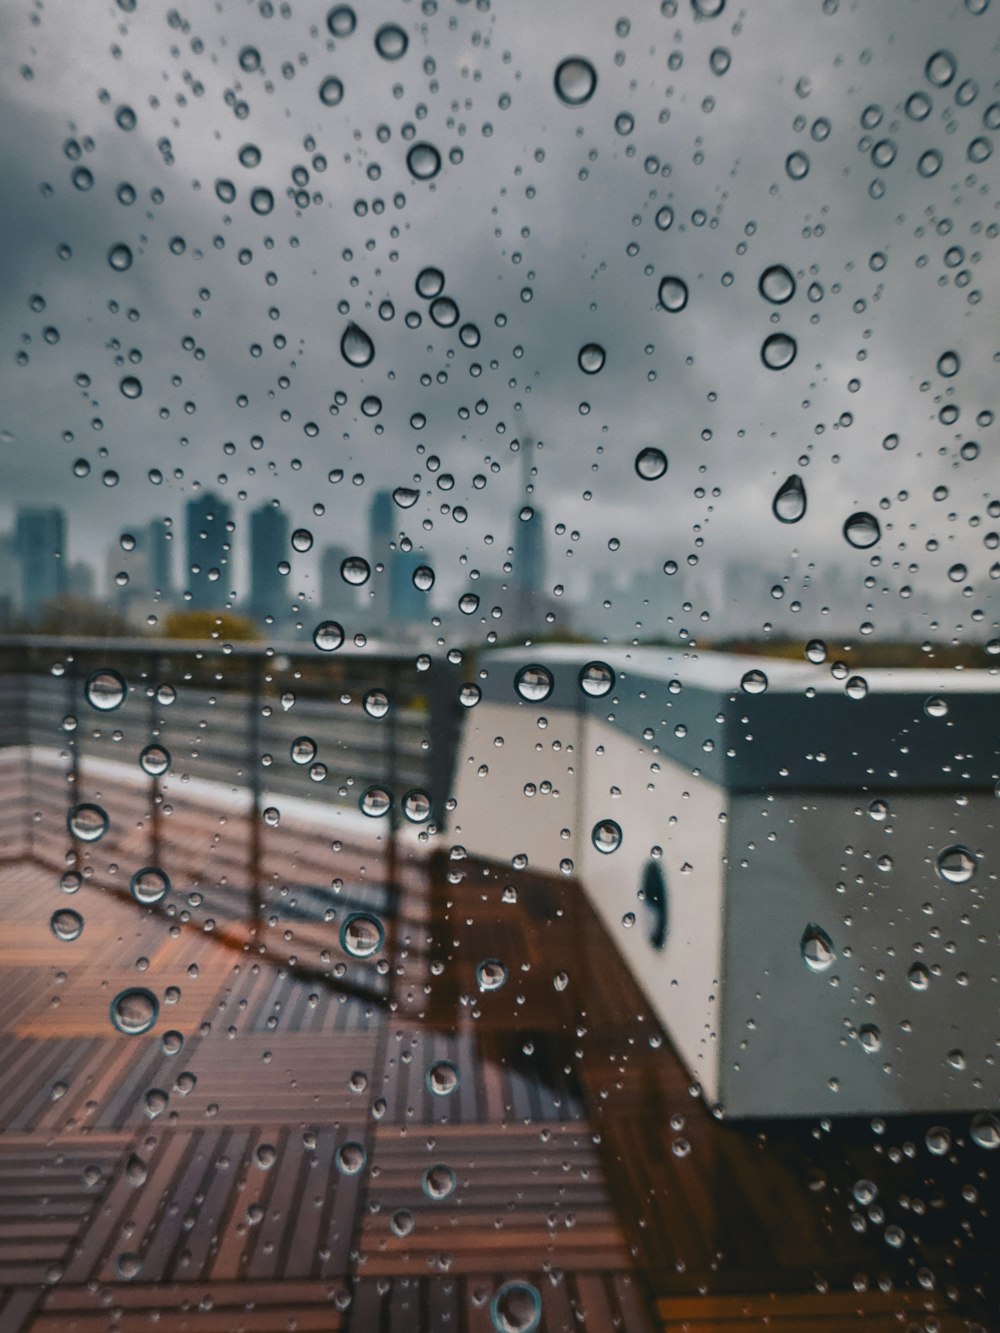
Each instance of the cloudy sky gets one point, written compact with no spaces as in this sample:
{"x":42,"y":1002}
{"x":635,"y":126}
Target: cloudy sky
{"x":775,"y":134}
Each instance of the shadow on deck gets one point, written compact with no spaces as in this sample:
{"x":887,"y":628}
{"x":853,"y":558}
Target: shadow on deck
{"x":200,"y":1187}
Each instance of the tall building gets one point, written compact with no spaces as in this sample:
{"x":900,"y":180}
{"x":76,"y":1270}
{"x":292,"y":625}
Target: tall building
{"x":159,"y":545}
{"x":10,"y":577}
{"x":529,"y":553}
{"x":208,"y":551}
{"x":268,"y":547}
{"x":40,"y":542}
{"x":407,"y":603}
{"x":381,"y":524}
{"x":335,"y":594}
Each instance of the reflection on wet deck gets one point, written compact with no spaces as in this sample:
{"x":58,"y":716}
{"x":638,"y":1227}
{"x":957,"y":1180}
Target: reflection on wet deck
{"x":582,"y":1161}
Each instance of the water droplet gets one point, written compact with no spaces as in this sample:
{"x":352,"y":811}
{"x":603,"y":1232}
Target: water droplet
{"x":940,"y":68}
{"x":430,"y":283}
{"x":856,"y":687}
{"x":673,"y":294}
{"x":753,"y":682}
{"x":591,"y":358}
{"x":302,"y":539}
{"x":328,"y":636}
{"x":776,"y":284}
{"x":125,"y":118}
{"x":341,"y":21}
{"x":351,"y":1158}
{"x":516,"y":1308}
{"x":391,"y":42}
{"x":816,"y":651}
{"x":401,"y":1223}
{"x":356,"y":347}
{"x":127,"y":1265}
{"x":797,"y":165}
{"x":938,"y":1140}
{"x":444,"y":312}
{"x":155,"y":1102}
{"x":417,"y":806}
{"x":879,"y":811}
{"x":919,"y":977}
{"x":870,"y":1038}
{"x":468,"y":603}
{"x":376,"y":703}
{"x":88,"y":822}
{"x":665,"y":218}
{"x":423,"y":578}
{"x":816,"y":948}
{"x":862,"y":530}
{"x":262,"y":200}
{"x":120,"y":257}
{"x":66,"y":924}
{"x":651,"y":463}
{"x":789,"y":503}
{"x":134,"y":1011}
{"x":361,"y":935}
{"x":606,"y":836}
{"x":534,"y":683}
{"x":106,"y":690}
{"x":708,"y":9}
{"x":149,"y":885}
{"x":949,"y":364}
{"x":596,"y":679}
{"x":424,"y":161}
{"x":154,"y":760}
{"x":302,"y":750}
{"x":172,"y":1041}
{"x":469,"y":695}
{"x":935,"y":707}
{"x":249,"y":59}
{"x":575,"y":81}
{"x":136,"y":1170}
{"x":929,"y":163}
{"x":442,"y":1078}
{"x":130,"y":387}
{"x":250,"y":156}
{"x":779,"y":351}
{"x":355,"y":570}
{"x":439,"y":1181}
{"x":984,"y":1130}
{"x":491,"y":974}
{"x":405,"y":497}
{"x":376,"y":802}
{"x":956,"y":864}
{"x":265,"y":1156}
{"x":331,"y":91}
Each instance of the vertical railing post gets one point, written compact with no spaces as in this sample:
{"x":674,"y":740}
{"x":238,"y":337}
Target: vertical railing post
{"x":392,"y":890}
{"x":72,"y":697}
{"x":254,"y":772}
{"x":155,"y":823}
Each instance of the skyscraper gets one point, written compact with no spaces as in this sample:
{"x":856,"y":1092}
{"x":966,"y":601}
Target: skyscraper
{"x":529,"y":551}
{"x":268,"y":547}
{"x":160,"y":549}
{"x":40,"y":541}
{"x":335,"y":594}
{"x":406,"y":602}
{"x":208,"y":551}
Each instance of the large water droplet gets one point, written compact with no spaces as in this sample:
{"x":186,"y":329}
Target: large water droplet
{"x":361,"y":935}
{"x":442,"y":1078}
{"x":423,"y":578}
{"x":534,"y":683}
{"x":262,"y":200}
{"x":439,"y":1181}
{"x":350,"y":1158}
{"x":591,"y":358}
{"x":136,"y":1170}
{"x":753,"y":682}
{"x":797,"y":165}
{"x":596,"y":679}
{"x":417,"y":806}
{"x":776,"y":284}
{"x":940,"y":68}
{"x":355,"y":570}
{"x":789,"y":503}
{"x":130,"y":387}
{"x":949,"y":364}
{"x":328,"y":636}
{"x":444,"y":312}
{"x":405,"y":497}
{"x":862,"y":530}
{"x":424,"y":161}
{"x":149,"y":885}
{"x":956,"y":864}
{"x":376,"y":802}
{"x":606,"y":836}
{"x":356,"y":347}
{"x":341,"y":21}
{"x":491,"y":974}
{"x":575,"y":81}
{"x":376,"y":703}
{"x":919,"y":977}
{"x":651,"y":463}
{"x":134,"y":1011}
{"x":302,"y":540}
{"x":401,"y":1223}
{"x":331,"y":91}
{"x":66,"y":924}
{"x":779,"y":351}
{"x":869,"y":1038}
{"x":302,"y":750}
{"x":120,"y":257}
{"x":984,"y":1130}
{"x":673,"y":294}
{"x":816,"y":948}
{"x":88,"y":822}
{"x":154,"y":760}
{"x":106,"y":690}
{"x":391,"y":41}
{"x":516,"y":1308}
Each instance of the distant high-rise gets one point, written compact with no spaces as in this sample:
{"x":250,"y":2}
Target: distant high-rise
{"x":335,"y":594}
{"x":529,"y":551}
{"x":160,"y":549}
{"x":268,"y":547}
{"x":406,"y":602}
{"x":381,"y":524}
{"x":40,"y":541}
{"x":208,"y":551}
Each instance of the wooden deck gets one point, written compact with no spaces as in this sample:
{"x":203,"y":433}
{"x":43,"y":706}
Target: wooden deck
{"x":583,"y":1163}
